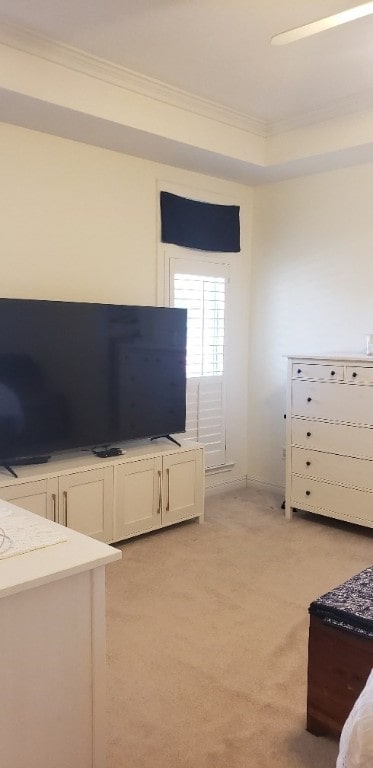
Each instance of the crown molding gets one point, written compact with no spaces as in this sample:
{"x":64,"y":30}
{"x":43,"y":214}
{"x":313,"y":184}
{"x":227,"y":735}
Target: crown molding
{"x":359,"y":102}
{"x":31,"y":42}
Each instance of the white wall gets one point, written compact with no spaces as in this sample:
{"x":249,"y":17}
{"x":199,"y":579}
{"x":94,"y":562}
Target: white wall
{"x":80,"y":223}
{"x":312,"y":291}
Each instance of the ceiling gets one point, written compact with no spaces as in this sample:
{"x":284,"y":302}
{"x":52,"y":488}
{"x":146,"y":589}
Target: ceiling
{"x":216,"y":50}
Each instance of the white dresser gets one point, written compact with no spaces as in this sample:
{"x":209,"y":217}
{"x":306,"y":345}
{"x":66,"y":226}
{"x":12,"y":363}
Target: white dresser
{"x":329,"y":437}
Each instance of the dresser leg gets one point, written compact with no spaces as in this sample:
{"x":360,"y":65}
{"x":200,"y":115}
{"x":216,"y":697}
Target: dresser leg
{"x":288,"y":511}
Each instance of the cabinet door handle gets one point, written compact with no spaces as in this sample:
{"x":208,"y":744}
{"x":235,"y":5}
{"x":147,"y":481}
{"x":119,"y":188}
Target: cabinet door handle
{"x":332,"y":373}
{"x":308,"y":463}
{"x":54,"y":507}
{"x":65,"y":507}
{"x":299,"y":370}
{"x":308,"y":493}
{"x":159,"y":492}
{"x":308,"y":434}
{"x":309,"y":399}
{"x":168,"y":490}
{"x":354,"y":375}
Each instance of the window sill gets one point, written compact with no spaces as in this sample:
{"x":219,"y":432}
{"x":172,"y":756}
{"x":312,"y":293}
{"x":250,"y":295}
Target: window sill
{"x":221,"y":468}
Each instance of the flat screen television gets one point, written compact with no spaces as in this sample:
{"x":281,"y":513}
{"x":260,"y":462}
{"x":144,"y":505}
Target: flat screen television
{"x":79,"y":375}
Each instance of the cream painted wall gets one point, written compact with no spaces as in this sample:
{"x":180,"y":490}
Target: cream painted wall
{"x":312,"y":280}
{"x":80,"y":223}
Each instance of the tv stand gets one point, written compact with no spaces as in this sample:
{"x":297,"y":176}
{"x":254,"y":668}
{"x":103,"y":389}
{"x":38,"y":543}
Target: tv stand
{"x":149,"y":486}
{"x":167,"y":437}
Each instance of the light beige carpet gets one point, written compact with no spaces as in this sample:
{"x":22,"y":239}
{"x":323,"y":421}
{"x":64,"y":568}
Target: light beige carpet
{"x":207,"y":636}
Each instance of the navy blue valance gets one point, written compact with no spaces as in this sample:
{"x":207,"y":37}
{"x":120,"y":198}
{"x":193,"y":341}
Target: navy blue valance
{"x":205,"y":226}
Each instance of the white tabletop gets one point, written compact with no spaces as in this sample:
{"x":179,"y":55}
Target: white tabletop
{"x":77,"y":553}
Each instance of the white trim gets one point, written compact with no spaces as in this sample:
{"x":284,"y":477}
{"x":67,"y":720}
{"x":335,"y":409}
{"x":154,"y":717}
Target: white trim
{"x":246,"y":482}
{"x":188,"y":261}
{"x":98,"y":651}
{"x":229,"y":485}
{"x":197,"y":193}
{"x":360,"y":102}
{"x":27,"y":40}
{"x":68,"y":56}
{"x":222,"y":468}
{"x":204,"y":262}
{"x":264,"y":484}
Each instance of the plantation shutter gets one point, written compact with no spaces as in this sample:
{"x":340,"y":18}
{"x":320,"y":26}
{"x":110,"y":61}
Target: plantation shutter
{"x":200,"y":287}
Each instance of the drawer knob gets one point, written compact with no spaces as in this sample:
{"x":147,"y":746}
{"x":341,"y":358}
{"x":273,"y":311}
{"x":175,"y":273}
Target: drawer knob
{"x":354,"y":375}
{"x":308,"y":434}
{"x":299,"y":370}
{"x":309,"y":399}
{"x":332,"y":373}
{"x":308,"y":463}
{"x":308,"y":493}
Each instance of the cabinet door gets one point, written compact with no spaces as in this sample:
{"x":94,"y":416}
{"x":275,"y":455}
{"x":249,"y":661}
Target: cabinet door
{"x":38,"y":496}
{"x":182,"y":486}
{"x":138,"y":497}
{"x":86,"y":502}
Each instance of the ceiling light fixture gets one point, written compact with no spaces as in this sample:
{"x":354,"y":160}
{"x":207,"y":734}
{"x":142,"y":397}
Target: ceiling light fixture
{"x":358,"y":12}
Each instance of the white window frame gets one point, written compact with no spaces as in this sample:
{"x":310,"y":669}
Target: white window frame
{"x":180,"y":260}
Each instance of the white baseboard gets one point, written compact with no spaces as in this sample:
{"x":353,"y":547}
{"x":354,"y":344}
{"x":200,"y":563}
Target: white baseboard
{"x":265,"y":485}
{"x":243,"y":482}
{"x":228,"y":485}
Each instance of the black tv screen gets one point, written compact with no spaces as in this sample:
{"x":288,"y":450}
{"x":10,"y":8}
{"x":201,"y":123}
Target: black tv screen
{"x":76,"y":375}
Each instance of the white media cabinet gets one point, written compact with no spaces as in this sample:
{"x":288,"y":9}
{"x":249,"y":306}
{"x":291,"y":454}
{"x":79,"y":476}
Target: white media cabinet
{"x":152,"y":485}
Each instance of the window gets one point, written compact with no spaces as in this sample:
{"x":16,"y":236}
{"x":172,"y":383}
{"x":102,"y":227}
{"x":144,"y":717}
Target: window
{"x":204,"y":298}
{"x":200,"y":286}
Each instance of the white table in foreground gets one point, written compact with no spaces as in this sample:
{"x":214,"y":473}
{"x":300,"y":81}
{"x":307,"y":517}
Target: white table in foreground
{"x":52,"y":651}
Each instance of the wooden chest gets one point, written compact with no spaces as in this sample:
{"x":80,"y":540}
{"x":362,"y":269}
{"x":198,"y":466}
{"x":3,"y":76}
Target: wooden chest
{"x":340,"y":653}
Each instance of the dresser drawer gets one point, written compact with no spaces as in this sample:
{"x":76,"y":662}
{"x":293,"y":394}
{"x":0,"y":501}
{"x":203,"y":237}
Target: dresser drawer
{"x":329,"y":466}
{"x":333,"y":401}
{"x":332,"y":500}
{"x":318,"y":371}
{"x":333,"y":438}
{"x":359,"y":374}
